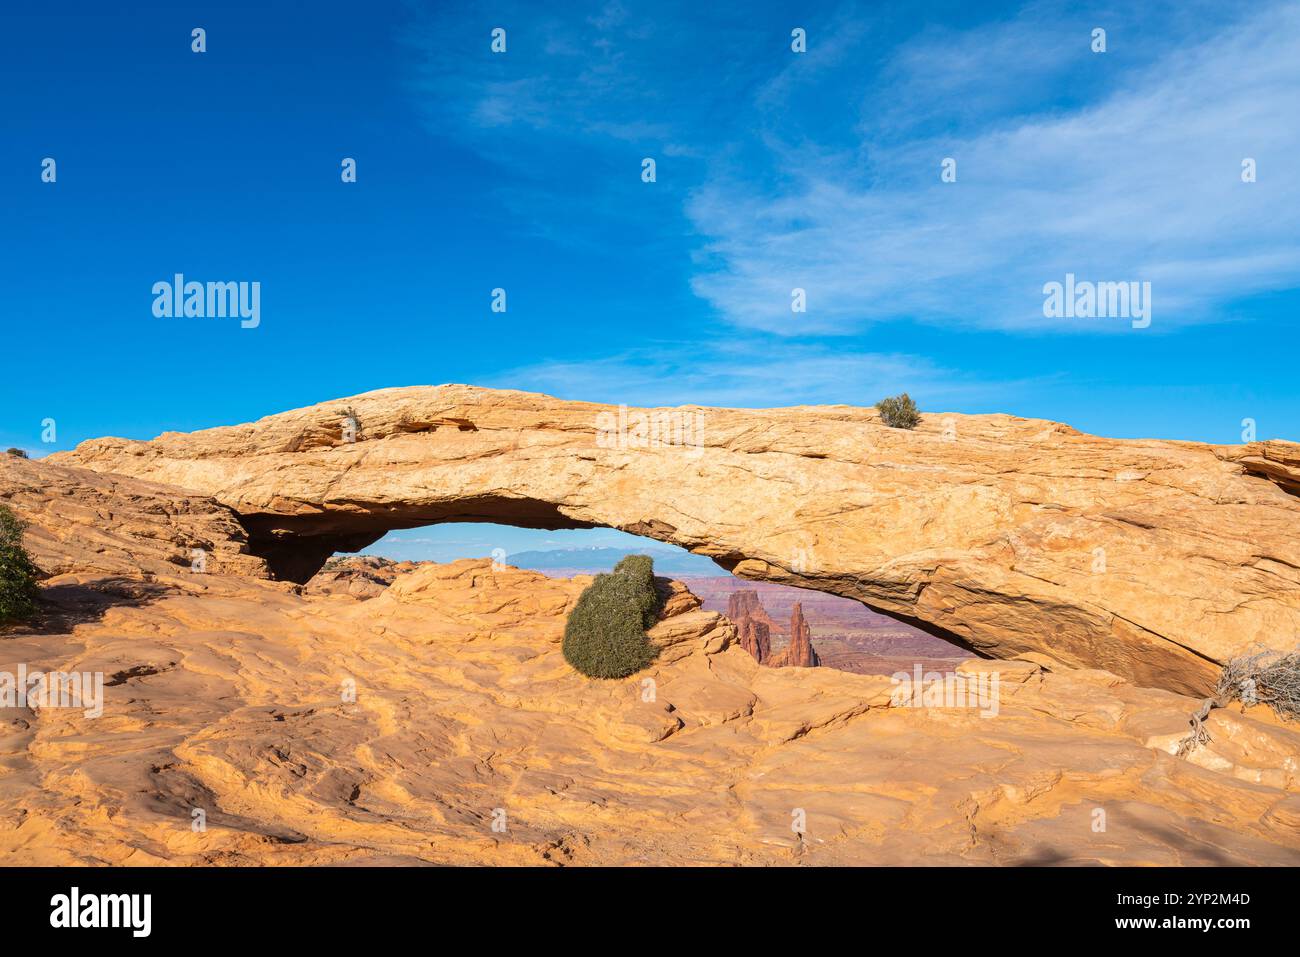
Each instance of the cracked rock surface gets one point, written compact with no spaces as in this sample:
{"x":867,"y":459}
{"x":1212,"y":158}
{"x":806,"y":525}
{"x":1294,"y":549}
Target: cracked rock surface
{"x":333,"y":729}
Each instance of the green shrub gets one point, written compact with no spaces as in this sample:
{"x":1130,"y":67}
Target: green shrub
{"x":17,"y":573}
{"x":16,"y":453}
{"x":605,"y":635}
{"x":899,"y":412}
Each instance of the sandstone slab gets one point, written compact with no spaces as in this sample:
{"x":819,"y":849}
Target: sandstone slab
{"x":323,"y":729}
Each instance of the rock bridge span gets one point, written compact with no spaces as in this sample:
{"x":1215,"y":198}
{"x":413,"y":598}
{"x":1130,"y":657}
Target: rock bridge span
{"x":1156,"y":560}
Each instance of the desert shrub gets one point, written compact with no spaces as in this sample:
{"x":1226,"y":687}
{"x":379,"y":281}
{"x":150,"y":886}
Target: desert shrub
{"x":17,"y":572}
{"x":899,"y":412}
{"x":1278,"y":686}
{"x":351,"y":413}
{"x":605,"y":635}
{"x":1263,"y":677}
{"x":17,"y":453}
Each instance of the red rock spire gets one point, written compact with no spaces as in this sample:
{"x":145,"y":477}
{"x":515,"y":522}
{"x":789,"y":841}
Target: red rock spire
{"x":800,"y":653}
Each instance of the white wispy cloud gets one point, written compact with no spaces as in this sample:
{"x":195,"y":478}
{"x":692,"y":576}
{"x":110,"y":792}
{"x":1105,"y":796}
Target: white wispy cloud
{"x":821,"y":171}
{"x":1143,"y":184}
{"x":758,"y":372}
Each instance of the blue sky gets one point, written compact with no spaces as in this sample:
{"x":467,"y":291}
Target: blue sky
{"x":775,"y":170}
{"x":448,"y":542}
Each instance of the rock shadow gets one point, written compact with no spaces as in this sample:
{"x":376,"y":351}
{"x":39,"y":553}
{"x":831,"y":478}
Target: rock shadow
{"x":62,"y":607}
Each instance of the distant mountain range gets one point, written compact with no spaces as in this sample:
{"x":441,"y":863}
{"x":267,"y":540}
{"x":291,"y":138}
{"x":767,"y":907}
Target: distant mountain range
{"x":603,"y":559}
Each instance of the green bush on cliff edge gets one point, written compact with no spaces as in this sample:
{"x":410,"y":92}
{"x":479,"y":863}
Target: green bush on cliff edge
{"x":17,"y":573}
{"x":899,"y":412}
{"x":605,"y":635}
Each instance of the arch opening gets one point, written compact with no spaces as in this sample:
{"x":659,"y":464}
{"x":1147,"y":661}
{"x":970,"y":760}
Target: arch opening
{"x":296,"y":547}
{"x":845,"y":634}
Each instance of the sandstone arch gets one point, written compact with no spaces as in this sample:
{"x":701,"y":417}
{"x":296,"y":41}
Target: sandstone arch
{"x":1155,"y":560}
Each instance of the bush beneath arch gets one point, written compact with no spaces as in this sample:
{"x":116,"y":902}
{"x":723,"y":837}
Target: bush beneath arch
{"x":605,"y":634}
